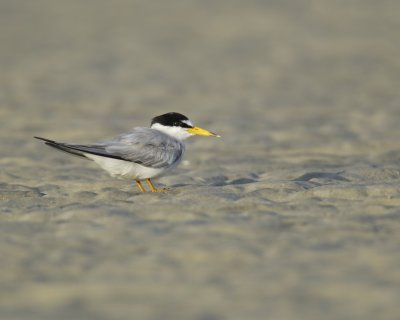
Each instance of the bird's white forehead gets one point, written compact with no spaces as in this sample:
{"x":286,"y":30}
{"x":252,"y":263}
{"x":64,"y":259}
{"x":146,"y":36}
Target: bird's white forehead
{"x":188,"y":122}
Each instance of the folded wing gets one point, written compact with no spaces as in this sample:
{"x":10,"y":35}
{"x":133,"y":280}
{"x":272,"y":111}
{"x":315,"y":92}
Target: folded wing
{"x":145,"y":146}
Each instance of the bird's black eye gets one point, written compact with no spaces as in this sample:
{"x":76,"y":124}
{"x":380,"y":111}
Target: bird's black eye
{"x":181,"y":124}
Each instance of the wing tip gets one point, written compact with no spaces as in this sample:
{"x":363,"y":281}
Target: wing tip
{"x":62,"y":147}
{"x":44,"y":139}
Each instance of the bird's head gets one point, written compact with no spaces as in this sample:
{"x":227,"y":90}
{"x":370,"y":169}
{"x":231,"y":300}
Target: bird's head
{"x":178,"y":126}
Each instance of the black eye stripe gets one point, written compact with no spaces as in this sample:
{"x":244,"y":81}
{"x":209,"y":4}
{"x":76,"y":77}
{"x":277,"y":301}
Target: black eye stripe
{"x":183,"y":125}
{"x":172,"y":119}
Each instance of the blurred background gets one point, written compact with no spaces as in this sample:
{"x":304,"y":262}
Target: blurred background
{"x":291,"y":72}
{"x":284,"y":82}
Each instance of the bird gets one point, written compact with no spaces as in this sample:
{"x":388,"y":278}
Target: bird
{"x":141,"y":154}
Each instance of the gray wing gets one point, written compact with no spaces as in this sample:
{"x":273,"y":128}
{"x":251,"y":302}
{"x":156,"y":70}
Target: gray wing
{"x":146,"y":146}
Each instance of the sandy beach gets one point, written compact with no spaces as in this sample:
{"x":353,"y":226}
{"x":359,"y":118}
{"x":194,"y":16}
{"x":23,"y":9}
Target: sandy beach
{"x":294,"y":213}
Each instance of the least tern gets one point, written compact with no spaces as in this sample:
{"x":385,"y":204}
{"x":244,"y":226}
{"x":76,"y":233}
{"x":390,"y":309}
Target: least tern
{"x":143,"y":153}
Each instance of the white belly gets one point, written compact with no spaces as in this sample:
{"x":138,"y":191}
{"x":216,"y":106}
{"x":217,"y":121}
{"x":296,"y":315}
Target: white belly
{"x":126,"y":169}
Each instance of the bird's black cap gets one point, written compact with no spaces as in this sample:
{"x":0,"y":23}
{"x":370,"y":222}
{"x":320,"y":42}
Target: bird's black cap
{"x":171,"y":119}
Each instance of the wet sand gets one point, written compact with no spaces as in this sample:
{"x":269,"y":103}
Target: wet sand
{"x":292,"y":214}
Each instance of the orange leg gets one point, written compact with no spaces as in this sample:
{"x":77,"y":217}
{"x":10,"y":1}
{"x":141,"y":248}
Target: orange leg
{"x":154,"y":189}
{"x":139,"y":184}
{"x":151,"y":185}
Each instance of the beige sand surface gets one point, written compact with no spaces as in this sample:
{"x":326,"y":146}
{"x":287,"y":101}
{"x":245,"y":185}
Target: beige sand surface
{"x":293,"y":214}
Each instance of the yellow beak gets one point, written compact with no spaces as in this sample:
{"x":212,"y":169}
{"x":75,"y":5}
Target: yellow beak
{"x":202,"y":132}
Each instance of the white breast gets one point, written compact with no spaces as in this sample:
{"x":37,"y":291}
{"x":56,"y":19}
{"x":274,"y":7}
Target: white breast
{"x":126,"y":169}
